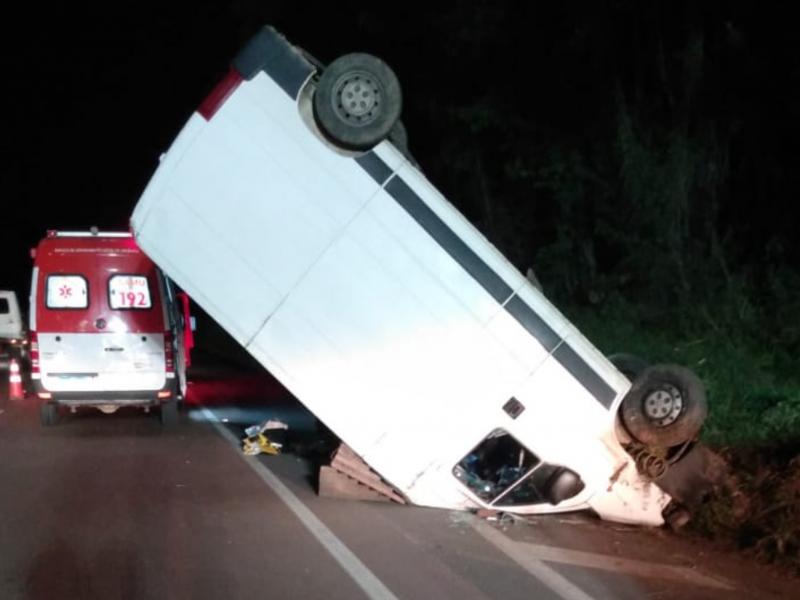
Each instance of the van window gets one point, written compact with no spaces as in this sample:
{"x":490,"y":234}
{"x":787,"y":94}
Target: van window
{"x":533,"y":488}
{"x":67,"y":291}
{"x":4,"y":307}
{"x":129,"y":292}
{"x":494,"y":465}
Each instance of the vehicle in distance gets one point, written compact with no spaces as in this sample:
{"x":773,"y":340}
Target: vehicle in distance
{"x":106,"y":327}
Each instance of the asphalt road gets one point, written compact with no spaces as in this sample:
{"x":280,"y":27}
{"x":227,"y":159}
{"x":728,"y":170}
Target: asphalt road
{"x":115,"y":506}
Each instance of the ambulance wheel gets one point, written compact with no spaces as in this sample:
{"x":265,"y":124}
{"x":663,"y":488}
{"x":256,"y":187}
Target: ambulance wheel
{"x":48,"y":414}
{"x":665,"y":407}
{"x":169,"y":413}
{"x":357,"y":101}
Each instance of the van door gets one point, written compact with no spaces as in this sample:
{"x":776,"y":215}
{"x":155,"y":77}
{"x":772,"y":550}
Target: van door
{"x":100,"y":338}
{"x":175,"y":309}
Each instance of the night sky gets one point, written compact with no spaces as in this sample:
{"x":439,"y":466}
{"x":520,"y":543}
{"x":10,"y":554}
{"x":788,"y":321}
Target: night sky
{"x":91,"y":98}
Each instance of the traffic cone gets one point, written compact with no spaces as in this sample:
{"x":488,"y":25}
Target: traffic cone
{"x":15,"y":391}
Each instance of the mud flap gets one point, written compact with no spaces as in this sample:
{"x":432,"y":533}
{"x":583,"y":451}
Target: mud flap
{"x":691,"y":480}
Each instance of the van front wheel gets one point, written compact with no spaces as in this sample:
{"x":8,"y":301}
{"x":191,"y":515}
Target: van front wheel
{"x":665,"y":407}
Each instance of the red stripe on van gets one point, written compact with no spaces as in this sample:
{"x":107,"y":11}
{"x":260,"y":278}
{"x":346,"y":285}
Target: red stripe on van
{"x":220,"y":94}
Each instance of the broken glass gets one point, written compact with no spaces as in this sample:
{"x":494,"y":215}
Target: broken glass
{"x":494,"y":465}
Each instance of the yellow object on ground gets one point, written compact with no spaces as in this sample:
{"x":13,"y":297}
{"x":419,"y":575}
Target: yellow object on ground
{"x":256,"y":444}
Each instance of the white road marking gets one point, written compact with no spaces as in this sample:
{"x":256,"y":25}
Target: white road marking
{"x":363,"y":577}
{"x":592,"y":560}
{"x":617,"y":564}
{"x":556,"y":582}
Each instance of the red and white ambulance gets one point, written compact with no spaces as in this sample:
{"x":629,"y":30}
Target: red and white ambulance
{"x":106,"y":326}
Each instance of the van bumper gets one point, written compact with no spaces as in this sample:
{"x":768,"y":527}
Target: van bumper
{"x":118,"y":398}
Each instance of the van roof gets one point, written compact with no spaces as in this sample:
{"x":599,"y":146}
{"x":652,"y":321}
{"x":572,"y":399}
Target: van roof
{"x":102,"y":243}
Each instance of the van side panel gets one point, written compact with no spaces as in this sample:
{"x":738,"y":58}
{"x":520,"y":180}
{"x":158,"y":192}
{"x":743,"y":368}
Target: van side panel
{"x":363,"y":290}
{"x":374,"y":301}
{"x":238,"y":268}
{"x":389,"y":343}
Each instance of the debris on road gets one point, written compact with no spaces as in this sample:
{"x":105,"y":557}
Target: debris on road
{"x":257,"y":442}
{"x":497,"y":516}
{"x":254,"y":430}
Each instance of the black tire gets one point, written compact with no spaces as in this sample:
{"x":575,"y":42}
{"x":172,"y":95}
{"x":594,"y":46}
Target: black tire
{"x":48,"y":414}
{"x":665,"y":407}
{"x":169,"y":413}
{"x":629,"y":365}
{"x":676,"y":516}
{"x":357,"y":101}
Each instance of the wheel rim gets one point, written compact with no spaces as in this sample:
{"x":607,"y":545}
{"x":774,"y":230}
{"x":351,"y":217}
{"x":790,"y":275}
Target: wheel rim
{"x":357,"y":98}
{"x":663,"y":405}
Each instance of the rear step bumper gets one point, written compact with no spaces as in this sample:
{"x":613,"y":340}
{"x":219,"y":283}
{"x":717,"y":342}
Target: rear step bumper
{"x":121,"y":398}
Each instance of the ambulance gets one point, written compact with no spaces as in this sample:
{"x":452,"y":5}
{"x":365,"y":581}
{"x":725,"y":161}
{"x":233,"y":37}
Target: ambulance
{"x":107,"y":328}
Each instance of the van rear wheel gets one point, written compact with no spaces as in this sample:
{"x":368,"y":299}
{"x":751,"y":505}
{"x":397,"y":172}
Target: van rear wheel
{"x":357,"y":101}
{"x":48,"y":414}
{"x":169,"y":413}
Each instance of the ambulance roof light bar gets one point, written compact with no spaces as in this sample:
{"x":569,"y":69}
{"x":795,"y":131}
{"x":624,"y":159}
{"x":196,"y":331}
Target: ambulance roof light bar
{"x":94,"y":232}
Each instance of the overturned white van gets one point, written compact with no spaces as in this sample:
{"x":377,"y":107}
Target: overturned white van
{"x":286,"y":212}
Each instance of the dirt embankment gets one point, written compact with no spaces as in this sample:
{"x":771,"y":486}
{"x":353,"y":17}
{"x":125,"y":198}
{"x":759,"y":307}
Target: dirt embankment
{"x":756,"y":506}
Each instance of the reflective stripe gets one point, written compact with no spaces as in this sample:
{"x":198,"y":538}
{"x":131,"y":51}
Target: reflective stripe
{"x":531,"y":321}
{"x":587,"y":376}
{"x":447,"y":239}
{"x":374,"y":166}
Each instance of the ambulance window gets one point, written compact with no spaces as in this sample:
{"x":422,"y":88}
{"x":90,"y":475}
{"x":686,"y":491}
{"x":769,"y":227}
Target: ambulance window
{"x":4,"y":308}
{"x":129,"y":292}
{"x":494,"y":465}
{"x":67,"y":291}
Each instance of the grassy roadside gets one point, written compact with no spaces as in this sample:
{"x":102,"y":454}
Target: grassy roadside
{"x":754,"y":420}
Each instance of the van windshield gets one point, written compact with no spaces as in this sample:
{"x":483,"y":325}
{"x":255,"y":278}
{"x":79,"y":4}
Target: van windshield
{"x":494,"y":465}
{"x":503,"y":472}
{"x":129,"y":292}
